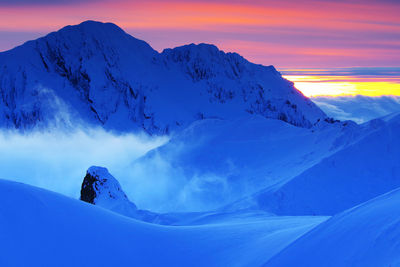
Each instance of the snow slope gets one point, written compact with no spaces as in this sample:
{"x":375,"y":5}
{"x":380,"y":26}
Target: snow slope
{"x":41,"y":228}
{"x":366,"y":235}
{"x":215,"y":162}
{"x":355,"y":174}
{"x":259,"y":163}
{"x":96,"y":74}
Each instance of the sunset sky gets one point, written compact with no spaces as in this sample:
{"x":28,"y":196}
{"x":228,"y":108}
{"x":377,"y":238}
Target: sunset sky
{"x":326,"y":47}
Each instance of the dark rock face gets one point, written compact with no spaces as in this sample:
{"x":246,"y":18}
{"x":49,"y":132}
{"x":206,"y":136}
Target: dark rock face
{"x":88,"y":193}
{"x":99,"y":187}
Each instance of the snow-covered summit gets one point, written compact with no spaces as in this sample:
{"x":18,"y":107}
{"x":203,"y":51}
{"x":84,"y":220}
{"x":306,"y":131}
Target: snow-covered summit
{"x":206,"y":61}
{"x":94,"y":73}
{"x":226,"y":76}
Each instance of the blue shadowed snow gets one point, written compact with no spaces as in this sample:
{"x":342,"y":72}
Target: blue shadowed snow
{"x":366,"y":235}
{"x":41,"y":228}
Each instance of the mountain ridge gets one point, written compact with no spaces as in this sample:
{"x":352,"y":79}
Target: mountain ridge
{"x":94,"y":73}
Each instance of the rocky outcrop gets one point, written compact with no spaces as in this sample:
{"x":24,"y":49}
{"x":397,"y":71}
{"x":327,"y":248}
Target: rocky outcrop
{"x":100,"y":188}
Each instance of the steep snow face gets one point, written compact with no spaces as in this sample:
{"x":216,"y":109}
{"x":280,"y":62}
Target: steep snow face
{"x":94,"y":73}
{"x":366,"y":235}
{"x":355,"y":174}
{"x":74,"y":233}
{"x":228,"y":76}
{"x":90,"y":69}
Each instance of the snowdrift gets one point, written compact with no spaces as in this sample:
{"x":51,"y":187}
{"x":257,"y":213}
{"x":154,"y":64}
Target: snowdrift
{"x":41,"y":228}
{"x":366,"y":235}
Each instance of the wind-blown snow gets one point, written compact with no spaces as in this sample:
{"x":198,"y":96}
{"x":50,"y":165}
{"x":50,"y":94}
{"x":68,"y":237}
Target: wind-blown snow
{"x":214,"y":162}
{"x":57,"y":160}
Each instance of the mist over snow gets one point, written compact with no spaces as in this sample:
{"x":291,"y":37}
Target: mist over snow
{"x":58,"y":160}
{"x":159,"y":184}
{"x":358,"y":108}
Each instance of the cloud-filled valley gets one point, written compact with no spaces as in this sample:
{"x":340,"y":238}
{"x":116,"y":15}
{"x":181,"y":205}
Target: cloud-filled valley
{"x":358,"y":108}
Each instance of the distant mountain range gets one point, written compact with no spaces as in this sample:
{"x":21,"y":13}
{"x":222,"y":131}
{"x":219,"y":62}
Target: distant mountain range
{"x":95,"y":74}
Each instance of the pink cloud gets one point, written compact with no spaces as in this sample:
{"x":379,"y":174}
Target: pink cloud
{"x":300,"y":33}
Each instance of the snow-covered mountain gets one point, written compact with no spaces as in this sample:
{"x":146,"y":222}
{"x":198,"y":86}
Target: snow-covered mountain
{"x":96,"y":74}
{"x":250,"y":159}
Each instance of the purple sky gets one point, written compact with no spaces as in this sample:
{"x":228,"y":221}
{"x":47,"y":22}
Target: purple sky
{"x":287,"y":34}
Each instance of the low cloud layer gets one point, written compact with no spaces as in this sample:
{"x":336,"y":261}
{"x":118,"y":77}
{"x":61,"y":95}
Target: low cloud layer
{"x":58,"y":161}
{"x":358,"y":108}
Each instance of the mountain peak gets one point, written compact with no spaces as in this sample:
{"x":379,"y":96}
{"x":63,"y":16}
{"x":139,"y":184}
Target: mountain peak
{"x":103,"y":34}
{"x":100,"y":75}
{"x":96,"y":28}
{"x":198,"y":48}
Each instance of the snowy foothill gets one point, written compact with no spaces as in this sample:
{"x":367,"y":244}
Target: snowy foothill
{"x":42,"y":228}
{"x":365,"y":235}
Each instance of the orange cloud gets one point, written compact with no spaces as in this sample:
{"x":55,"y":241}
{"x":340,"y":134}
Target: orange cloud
{"x":344,"y":85}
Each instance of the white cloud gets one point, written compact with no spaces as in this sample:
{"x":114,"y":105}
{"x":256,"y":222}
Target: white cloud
{"x":358,"y":108}
{"x":58,"y":161}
